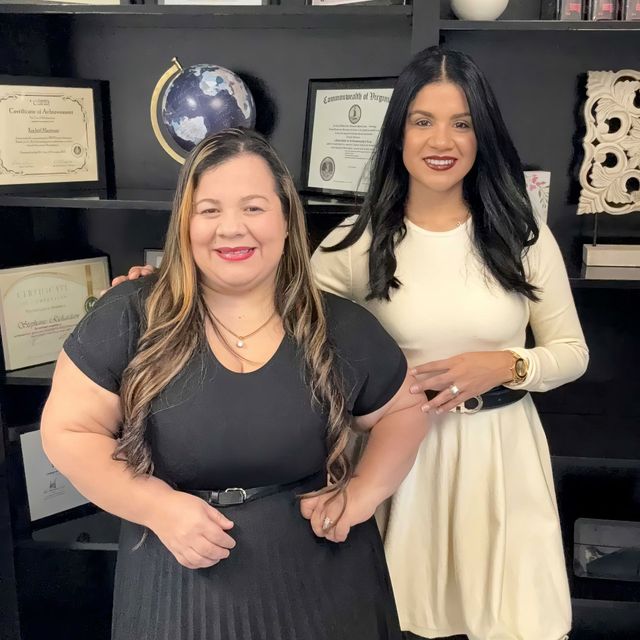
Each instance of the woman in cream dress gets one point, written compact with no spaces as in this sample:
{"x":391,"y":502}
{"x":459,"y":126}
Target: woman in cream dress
{"x":448,"y":256}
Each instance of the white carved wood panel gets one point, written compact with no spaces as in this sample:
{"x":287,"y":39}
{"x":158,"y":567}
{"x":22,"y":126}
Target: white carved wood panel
{"x":610,"y":172}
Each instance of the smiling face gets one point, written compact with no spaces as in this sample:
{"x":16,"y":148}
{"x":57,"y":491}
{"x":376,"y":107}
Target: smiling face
{"x":440,"y":145}
{"x":237,"y":229}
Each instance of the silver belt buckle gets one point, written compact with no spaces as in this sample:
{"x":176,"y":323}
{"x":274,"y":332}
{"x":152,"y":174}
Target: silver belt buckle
{"x":462,"y":407}
{"x":232,"y":496}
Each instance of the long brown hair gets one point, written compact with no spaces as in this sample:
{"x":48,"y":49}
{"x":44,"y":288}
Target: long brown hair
{"x":175,"y":312}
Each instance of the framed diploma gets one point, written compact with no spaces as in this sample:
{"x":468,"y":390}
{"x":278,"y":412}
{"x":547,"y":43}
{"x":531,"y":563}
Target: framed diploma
{"x":41,"y":304}
{"x":343,"y":121}
{"x":51,"y":133}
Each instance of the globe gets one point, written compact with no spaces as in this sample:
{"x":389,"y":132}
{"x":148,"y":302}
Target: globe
{"x":201,"y":100}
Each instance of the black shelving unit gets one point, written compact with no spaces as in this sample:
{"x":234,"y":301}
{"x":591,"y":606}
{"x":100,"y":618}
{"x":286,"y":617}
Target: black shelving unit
{"x":276,"y":49}
{"x":535,"y":67}
{"x":229,"y":17}
{"x":538,"y":25}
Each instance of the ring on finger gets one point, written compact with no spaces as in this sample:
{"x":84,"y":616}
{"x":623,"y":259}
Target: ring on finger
{"x":455,"y":391}
{"x":327,"y":523}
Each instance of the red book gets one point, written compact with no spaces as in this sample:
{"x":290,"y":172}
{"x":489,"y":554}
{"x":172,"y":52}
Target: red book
{"x":631,"y":9}
{"x":570,"y":9}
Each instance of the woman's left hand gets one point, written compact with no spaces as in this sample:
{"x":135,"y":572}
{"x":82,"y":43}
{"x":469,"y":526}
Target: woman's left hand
{"x":471,"y":373}
{"x":324,"y":513}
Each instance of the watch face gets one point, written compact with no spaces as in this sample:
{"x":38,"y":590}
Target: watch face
{"x":521,"y":368}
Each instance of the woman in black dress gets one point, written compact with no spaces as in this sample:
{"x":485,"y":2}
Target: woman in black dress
{"x":200,"y":404}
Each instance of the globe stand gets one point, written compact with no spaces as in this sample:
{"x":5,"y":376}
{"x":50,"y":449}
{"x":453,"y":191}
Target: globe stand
{"x":174,"y":70}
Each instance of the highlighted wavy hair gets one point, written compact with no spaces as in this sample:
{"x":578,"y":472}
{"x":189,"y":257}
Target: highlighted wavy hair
{"x":175,"y":311}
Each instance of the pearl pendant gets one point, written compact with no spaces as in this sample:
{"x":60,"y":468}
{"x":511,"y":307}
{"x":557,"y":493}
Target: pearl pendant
{"x":240,"y":344}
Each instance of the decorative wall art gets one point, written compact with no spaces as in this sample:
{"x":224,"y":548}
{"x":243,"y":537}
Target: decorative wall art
{"x":610,"y":172}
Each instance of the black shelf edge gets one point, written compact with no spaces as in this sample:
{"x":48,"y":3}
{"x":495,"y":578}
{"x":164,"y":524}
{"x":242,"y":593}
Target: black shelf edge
{"x":582,"y":276}
{"x":589,"y":283}
{"x":595,"y":463}
{"x":14,"y":432}
{"x":161,"y":200}
{"x":594,"y":603}
{"x":39,"y":376}
{"x":66,"y":546}
{"x":150,"y":201}
{"x":101,"y":531}
{"x":538,"y":25}
{"x":229,"y":17}
{"x":596,"y":619}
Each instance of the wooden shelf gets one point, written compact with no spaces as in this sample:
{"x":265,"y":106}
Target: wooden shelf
{"x":538,"y":25}
{"x":226,"y":17}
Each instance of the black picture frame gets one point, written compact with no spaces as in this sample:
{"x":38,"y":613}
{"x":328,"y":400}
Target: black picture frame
{"x":102,"y":126}
{"x":315,"y":85}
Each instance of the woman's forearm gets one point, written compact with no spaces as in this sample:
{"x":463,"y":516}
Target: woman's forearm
{"x":553,"y":365}
{"x":86,"y":460}
{"x":390,"y":451}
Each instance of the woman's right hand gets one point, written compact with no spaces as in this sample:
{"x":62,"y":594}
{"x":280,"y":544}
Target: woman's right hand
{"x":192,"y":530}
{"x":134,"y":274}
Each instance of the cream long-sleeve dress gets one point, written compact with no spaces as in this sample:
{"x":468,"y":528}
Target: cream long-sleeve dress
{"x":473,"y":538}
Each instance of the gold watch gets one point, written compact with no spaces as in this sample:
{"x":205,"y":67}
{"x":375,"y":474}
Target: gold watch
{"x":519,"y":368}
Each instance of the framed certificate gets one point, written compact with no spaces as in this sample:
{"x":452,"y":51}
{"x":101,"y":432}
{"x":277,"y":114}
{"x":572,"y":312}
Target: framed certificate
{"x":153,"y":257}
{"x":51,"y":133}
{"x":343,"y":122}
{"x":41,"y":304}
{"x":48,"y":492}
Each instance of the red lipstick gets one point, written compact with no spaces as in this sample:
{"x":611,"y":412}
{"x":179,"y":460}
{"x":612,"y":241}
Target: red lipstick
{"x":235,"y":254}
{"x":440,"y":163}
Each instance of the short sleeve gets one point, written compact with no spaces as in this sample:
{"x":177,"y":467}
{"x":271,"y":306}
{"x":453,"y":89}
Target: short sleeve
{"x":372,"y":364}
{"x":105,"y":340}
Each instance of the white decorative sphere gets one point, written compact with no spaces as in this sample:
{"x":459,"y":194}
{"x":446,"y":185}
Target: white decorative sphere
{"x":479,"y":9}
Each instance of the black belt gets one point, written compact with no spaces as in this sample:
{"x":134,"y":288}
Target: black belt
{"x":236,"y":495}
{"x":492,"y":399}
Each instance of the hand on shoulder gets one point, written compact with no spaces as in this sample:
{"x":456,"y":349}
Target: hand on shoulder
{"x":133,"y":274}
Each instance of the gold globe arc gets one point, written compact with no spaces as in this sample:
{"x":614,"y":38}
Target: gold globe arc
{"x":174,"y":70}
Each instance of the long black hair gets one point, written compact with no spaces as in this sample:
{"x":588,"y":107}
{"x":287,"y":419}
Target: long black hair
{"x":504,"y":223}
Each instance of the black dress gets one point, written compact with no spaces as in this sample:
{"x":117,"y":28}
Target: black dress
{"x":212,"y":429}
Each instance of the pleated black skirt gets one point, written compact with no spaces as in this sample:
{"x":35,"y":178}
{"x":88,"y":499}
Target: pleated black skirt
{"x":281,"y":582}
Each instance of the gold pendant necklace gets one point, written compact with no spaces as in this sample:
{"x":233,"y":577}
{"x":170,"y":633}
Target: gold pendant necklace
{"x":240,"y":340}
